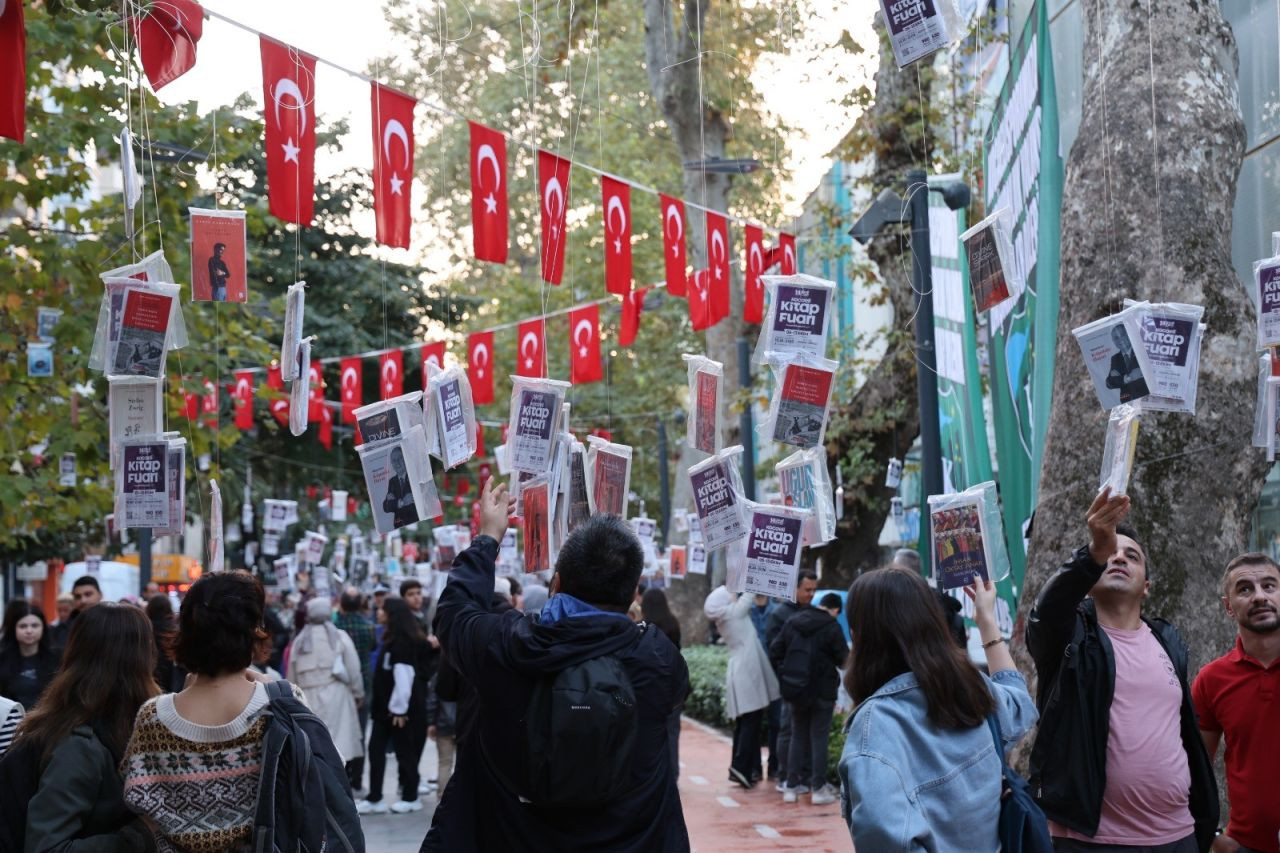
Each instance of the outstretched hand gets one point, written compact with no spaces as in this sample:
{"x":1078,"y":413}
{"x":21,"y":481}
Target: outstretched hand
{"x":494,"y":509}
{"x":983,"y":595}
{"x":1105,"y":513}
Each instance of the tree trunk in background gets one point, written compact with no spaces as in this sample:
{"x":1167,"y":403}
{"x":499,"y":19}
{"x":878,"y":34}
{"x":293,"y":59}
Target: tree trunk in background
{"x":672,"y":52}
{"x":1156,"y":226}
{"x":884,"y":413}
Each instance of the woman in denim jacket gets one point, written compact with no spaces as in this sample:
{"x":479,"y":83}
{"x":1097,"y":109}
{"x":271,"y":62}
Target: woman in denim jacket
{"x":919,"y":768}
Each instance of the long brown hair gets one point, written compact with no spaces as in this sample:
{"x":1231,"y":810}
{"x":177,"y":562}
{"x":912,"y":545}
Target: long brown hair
{"x":897,"y":626}
{"x":105,"y":678}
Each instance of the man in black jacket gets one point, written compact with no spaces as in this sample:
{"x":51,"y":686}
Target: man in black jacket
{"x":1118,"y":760}
{"x":806,"y":586}
{"x":506,"y":656}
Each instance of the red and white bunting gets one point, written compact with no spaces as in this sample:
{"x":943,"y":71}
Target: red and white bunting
{"x":480,"y":366}
{"x":392,"y":165}
{"x":584,"y":345}
{"x":289,"y":98}
{"x":351,"y":375}
{"x":243,"y":399}
{"x":753,"y":300}
{"x":488,"y":194}
{"x":531,"y":348}
{"x":673,"y":244}
{"x":553,"y":190}
{"x":617,"y":235}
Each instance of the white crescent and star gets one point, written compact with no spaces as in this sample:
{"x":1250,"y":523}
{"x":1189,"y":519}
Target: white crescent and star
{"x":242,"y":385}
{"x":673,"y":214}
{"x":349,"y":383}
{"x":582,"y":324}
{"x":529,"y":338}
{"x":287,"y":87}
{"x":388,"y":376}
{"x":476,"y":360}
{"x":485,"y":153}
{"x":553,"y":190}
{"x":615,"y":205}
{"x":755,"y":258}
{"x":394,"y":129}
{"x":789,"y":257}
{"x":717,"y":258}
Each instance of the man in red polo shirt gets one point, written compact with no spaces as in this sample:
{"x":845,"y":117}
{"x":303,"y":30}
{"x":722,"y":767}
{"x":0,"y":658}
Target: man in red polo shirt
{"x":1238,"y":695}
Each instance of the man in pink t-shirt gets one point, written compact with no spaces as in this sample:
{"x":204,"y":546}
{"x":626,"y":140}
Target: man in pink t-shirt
{"x":1118,"y":763}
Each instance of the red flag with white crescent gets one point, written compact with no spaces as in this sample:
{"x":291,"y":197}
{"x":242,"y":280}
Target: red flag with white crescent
{"x":279,"y":405}
{"x":479,"y":438}
{"x":326,"y":427}
{"x":553,"y":190}
{"x":632,"y":305}
{"x":190,"y":399}
{"x":351,"y":388}
{"x":584,"y":345}
{"x":244,"y":399}
{"x":480,"y":367}
{"x":391,"y":371}
{"x":209,"y":405}
{"x":787,"y":246}
{"x":167,"y":35}
{"x":718,"y":265}
{"x":289,"y":99}
{"x":432,"y":353}
{"x":673,"y":243}
{"x":700,"y":313}
{"x":315,"y":390}
{"x":488,"y":194}
{"x":392,"y":165}
{"x":753,"y":302}
{"x":617,"y":235}
{"x":531,"y":348}
{"x":13,"y":70}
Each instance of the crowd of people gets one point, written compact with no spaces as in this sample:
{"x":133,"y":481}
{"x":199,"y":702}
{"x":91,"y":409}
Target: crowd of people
{"x":556,"y":710}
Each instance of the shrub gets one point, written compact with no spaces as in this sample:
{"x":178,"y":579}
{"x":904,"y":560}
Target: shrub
{"x":708,"y":666}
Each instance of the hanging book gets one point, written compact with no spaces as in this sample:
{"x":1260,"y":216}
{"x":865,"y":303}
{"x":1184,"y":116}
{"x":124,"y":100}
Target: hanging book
{"x":797,"y":320}
{"x":1266,"y":280}
{"x":1120,"y":370}
{"x":773,"y":550}
{"x":718,"y":499}
{"x":706,"y":388}
{"x":294,"y":307}
{"x":805,"y":483}
{"x":1171,"y":335}
{"x":610,"y":478}
{"x":219,"y":269}
{"x":535,"y":520}
{"x":453,"y":416}
{"x":143,"y":339}
{"x":967,"y":537}
{"x":1119,"y":448}
{"x":534,"y":422}
{"x":989,"y":253}
{"x":801,"y":400}
{"x":142,"y":496}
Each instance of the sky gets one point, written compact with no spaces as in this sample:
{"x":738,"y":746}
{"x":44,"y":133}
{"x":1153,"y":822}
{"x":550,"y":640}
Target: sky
{"x":801,"y":83}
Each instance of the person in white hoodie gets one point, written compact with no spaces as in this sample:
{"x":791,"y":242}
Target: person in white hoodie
{"x":324,"y":663}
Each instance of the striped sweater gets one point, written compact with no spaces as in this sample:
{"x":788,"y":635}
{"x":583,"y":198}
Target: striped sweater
{"x":196,"y":785}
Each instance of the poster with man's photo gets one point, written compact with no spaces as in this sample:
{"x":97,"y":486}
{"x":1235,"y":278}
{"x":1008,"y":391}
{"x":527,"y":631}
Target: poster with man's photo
{"x":219,"y":268}
{"x":392,"y":494}
{"x":1119,"y":369}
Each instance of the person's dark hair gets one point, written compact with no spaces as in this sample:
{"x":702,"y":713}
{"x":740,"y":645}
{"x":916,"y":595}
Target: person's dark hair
{"x":806,"y":575}
{"x":897,"y":626}
{"x":1124,"y":529}
{"x":654,"y":609}
{"x":160,"y":612}
{"x":600,"y":563}
{"x":351,"y":600}
{"x":402,"y":625}
{"x":87,"y":580}
{"x":219,"y":623}
{"x":516,"y":589}
{"x":15,"y":611}
{"x":106,"y":675}
{"x":409,"y":585}
{"x":831,"y":600}
{"x":159,"y":608}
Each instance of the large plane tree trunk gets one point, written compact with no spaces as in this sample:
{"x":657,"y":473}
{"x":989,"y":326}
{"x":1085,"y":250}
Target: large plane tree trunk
{"x":1146,"y":213}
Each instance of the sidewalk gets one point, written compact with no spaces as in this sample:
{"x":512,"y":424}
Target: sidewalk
{"x":723,"y":816}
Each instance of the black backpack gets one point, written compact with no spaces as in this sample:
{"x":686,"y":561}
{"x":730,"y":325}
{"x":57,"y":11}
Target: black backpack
{"x":580,"y":728}
{"x":795,"y":674}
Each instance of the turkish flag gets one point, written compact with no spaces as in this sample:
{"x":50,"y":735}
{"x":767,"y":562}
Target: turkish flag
{"x":700,"y":313}
{"x":279,"y":405}
{"x":531,"y":353}
{"x":13,"y":70}
{"x":392,"y":164}
{"x":718,"y":265}
{"x":289,"y":99}
{"x":553,"y":189}
{"x":584,"y":345}
{"x":326,"y":427}
{"x":391,"y":369}
{"x":753,"y":303}
{"x":190,"y":401}
{"x":632,"y":305}
{"x":432,"y":353}
{"x":673,"y":243}
{"x":787,"y":246}
{"x":479,"y":438}
{"x":488,"y":193}
{"x":315,"y":390}
{"x":350,"y":388}
{"x":617,"y":235}
{"x":209,"y":404}
{"x":243,"y":399}
{"x":480,"y":367}
{"x":167,"y":37}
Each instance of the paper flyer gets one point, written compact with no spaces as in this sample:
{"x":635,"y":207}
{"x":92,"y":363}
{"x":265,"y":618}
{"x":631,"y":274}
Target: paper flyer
{"x":143,"y":478}
{"x":535,"y":412}
{"x":144,"y":327}
{"x":39,"y":359}
{"x":133,"y":404}
{"x":1171,"y":335}
{"x":175,"y":486}
{"x":46,"y":322}
{"x":706,"y":387}
{"x":677,"y":565}
{"x":219,"y":269}
{"x":697,"y":558}
{"x":316,"y":543}
{"x":389,"y":418}
{"x":1118,"y":449}
{"x":457,"y":437}
{"x":294,"y":308}
{"x":797,"y":320}
{"x":804,"y":482}
{"x":535,"y":519}
{"x":1266,"y":276}
{"x":717,"y":499}
{"x":801,"y":411}
{"x":67,"y":470}
{"x":916,"y":28}
{"x":645,"y":530}
{"x":394,"y":476}
{"x":773,"y":551}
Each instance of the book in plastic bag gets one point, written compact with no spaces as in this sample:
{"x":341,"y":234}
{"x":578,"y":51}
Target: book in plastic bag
{"x":175,"y":485}
{"x":134,"y":406}
{"x":610,"y":477}
{"x":1266,"y":280}
{"x":389,"y":418}
{"x":989,"y":254}
{"x":397,"y":472}
{"x":967,"y":537}
{"x":142,"y":339}
{"x":1171,"y":335}
{"x":454,"y":416}
{"x":805,"y":483}
{"x":798,"y":317}
{"x":534,"y":422}
{"x":577,"y":498}
{"x":718,"y":498}
{"x":219,"y":268}
{"x":1260,"y":404}
{"x":535,"y":522}
{"x":706,"y":389}
{"x":801,"y":400}
{"x":917,"y":28}
{"x":1120,"y":370}
{"x":153,"y":269}
{"x":1273,"y":411}
{"x":773,"y":545}
{"x":300,"y":390}
{"x":1119,"y":448}
{"x":142,"y":494}
{"x":294,"y":308}
{"x":697,"y":558}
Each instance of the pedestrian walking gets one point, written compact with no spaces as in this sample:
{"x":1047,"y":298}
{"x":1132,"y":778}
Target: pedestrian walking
{"x":442,"y":721}
{"x":761,"y":609}
{"x":920,"y":767}
{"x":164,"y":628}
{"x":399,"y":707}
{"x":656,"y":611}
{"x":28,"y":661}
{"x":197,"y":759}
{"x":86,"y":593}
{"x":750,"y":684}
{"x":357,"y":626}
{"x":11,"y":714}
{"x":1235,"y":702}
{"x":1118,"y":759}
{"x":414,"y":595}
{"x":324,"y":663}
{"x":806,"y":586}
{"x":540,"y":770}
{"x":807,"y":655}
{"x":61,"y":783}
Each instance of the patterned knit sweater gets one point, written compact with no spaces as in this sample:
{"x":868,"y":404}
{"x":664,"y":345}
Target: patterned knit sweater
{"x":196,"y":785}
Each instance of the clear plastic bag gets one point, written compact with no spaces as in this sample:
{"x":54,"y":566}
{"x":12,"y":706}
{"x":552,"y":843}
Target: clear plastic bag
{"x":535,"y":522}
{"x":1115,"y":357}
{"x":397,"y":473}
{"x":798,"y":316}
{"x":1273,"y":410}
{"x":216,"y":559}
{"x":718,"y":498}
{"x":534,"y":422}
{"x":177,"y":485}
{"x":769,"y":556}
{"x":988,"y":250}
{"x":805,"y":483}
{"x":967,"y":536}
{"x":801,"y":400}
{"x":1266,"y":297}
{"x":300,"y":390}
{"x":917,"y":30}
{"x":146,"y":344}
{"x":135,"y":406}
{"x":294,"y":308}
{"x":1118,"y":449}
{"x":608,"y":477}
{"x":151,"y":269}
{"x":141,"y":483}
{"x":706,"y":391}
{"x":453,"y":414}
{"x":1171,"y":335}
{"x":1260,"y":405}
{"x":388,"y":418}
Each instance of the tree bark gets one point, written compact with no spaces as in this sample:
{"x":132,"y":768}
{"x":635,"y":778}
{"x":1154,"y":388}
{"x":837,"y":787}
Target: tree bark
{"x":1146,"y":213}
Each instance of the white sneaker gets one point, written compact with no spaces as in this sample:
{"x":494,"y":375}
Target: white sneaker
{"x":802,"y":789}
{"x":369,"y":807}
{"x":406,"y":806}
{"x":789,"y":795}
{"x":781,"y":787}
{"x":824,"y":796}
{"x":426,"y":787}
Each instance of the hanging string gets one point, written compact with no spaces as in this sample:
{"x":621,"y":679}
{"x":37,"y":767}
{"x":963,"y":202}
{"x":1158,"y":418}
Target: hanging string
{"x":1155,"y":133}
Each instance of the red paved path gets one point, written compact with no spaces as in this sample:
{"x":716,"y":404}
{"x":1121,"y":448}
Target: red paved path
{"x":760,"y":821}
